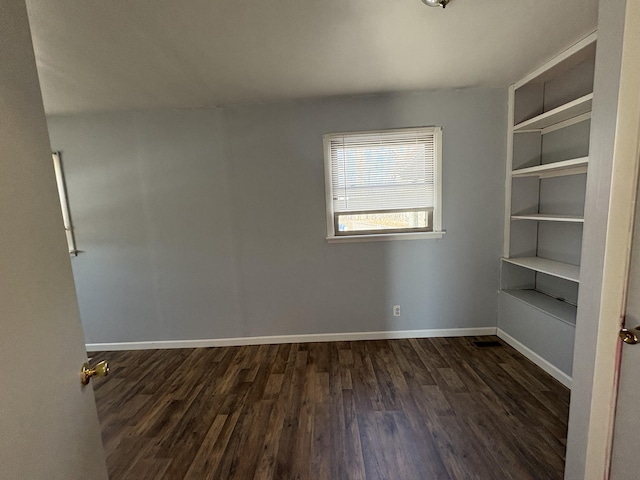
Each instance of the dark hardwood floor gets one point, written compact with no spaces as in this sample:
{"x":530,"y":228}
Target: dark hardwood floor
{"x":439,"y":408}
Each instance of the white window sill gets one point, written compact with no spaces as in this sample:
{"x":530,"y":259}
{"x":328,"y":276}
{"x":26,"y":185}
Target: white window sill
{"x":385,"y":237}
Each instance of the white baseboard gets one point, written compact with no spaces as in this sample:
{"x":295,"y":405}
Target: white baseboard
{"x":537,"y":359}
{"x":314,"y":337}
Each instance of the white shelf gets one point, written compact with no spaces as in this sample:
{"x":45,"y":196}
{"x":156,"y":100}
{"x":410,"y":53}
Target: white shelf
{"x":574,"y":166}
{"x":550,"y":267}
{"x":546,"y":217}
{"x":557,"y":115}
{"x":563,"y":311}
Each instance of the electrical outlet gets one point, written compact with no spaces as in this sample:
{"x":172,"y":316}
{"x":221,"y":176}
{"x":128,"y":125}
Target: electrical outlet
{"x":396,"y":311}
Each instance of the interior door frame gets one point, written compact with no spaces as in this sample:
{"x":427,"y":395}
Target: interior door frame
{"x":624,"y":187}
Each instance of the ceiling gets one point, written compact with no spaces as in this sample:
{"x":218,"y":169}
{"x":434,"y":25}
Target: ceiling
{"x":96,"y":55}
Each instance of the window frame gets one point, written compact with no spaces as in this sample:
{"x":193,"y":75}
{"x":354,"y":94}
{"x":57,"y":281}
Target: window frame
{"x":434,"y":213}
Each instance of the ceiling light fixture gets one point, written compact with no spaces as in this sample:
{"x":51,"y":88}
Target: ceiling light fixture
{"x":436,"y":3}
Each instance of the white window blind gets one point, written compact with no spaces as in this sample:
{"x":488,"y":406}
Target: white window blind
{"x":383,"y":182}
{"x":380,"y":171}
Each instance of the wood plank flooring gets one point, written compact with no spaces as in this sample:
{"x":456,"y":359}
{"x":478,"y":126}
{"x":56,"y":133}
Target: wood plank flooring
{"x":439,"y":408}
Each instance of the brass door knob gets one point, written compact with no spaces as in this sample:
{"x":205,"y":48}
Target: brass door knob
{"x":630,"y":335}
{"x":100,"y":370}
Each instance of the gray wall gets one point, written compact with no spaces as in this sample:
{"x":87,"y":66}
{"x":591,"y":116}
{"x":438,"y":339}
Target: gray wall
{"x":211,"y":223}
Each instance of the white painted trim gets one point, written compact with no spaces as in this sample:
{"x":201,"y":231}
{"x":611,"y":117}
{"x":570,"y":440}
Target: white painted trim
{"x":621,"y":216}
{"x":384,"y":237}
{"x":305,"y":338}
{"x":328,"y":189}
{"x":506,"y":239}
{"x":537,"y":359}
{"x":437,"y":214}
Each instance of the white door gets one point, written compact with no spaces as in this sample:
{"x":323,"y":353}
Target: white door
{"x":48,"y":422}
{"x":626,"y":431}
{"x":626,"y":436}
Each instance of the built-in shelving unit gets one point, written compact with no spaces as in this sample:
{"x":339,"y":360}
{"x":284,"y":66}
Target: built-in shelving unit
{"x":547,"y":164}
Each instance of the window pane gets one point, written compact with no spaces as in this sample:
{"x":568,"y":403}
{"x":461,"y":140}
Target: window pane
{"x":373,"y":221}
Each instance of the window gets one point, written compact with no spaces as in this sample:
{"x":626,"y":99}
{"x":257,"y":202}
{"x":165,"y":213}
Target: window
{"x":383,"y":184}
{"x":64,"y":203}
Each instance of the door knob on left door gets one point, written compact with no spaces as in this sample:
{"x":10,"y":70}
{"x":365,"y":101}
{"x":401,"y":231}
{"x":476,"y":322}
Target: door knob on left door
{"x":100,"y":370}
